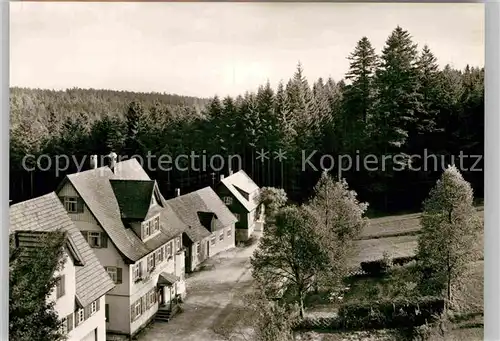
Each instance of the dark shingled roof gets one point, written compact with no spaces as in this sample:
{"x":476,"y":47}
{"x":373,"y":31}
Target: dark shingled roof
{"x":94,"y":186}
{"x":47,"y":214}
{"x":194,"y":207}
{"x":134,"y":197}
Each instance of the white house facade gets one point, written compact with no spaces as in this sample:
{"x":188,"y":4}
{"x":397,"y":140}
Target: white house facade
{"x":135,"y":235}
{"x":79,"y":294}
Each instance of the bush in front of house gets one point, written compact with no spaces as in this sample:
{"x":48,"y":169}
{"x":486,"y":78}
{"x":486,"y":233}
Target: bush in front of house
{"x":402,"y":312}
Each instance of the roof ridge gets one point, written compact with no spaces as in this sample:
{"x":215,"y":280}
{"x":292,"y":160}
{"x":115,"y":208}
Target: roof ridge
{"x":88,"y":171}
{"x":45,"y":196}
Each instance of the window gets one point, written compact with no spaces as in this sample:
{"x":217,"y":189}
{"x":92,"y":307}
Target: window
{"x":137,"y":271}
{"x":60,"y":286}
{"x":106,"y":312}
{"x":95,"y":239}
{"x":178,"y":242}
{"x":198,"y":248}
{"x":237,"y":215}
{"x":137,"y":308}
{"x":169,"y":250}
{"x":229,"y":232}
{"x":71,"y":204}
{"x":93,"y":308}
{"x":113,"y":273}
{"x":151,"y":262}
{"x":80,"y":315}
{"x":228,"y":200}
{"x":159,"y":255}
{"x":221,"y":236}
{"x":64,"y":326}
{"x":212,"y":240}
{"x":156,"y":224}
{"x":147,"y":229}
{"x":151,"y":297}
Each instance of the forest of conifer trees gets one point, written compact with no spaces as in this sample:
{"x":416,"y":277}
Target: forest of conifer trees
{"x":399,"y":101}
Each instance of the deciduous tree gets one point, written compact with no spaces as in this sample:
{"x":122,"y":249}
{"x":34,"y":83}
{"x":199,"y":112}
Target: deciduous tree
{"x":450,"y":231}
{"x":31,"y":282}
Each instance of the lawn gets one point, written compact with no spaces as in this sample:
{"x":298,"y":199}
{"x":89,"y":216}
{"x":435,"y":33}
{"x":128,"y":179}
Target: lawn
{"x":397,"y":225}
{"x":373,"y":249}
{"x":458,"y":334}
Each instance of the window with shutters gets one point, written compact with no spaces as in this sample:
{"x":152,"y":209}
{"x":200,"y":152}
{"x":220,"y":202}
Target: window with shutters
{"x":229,"y":232}
{"x":146,"y":230}
{"x":93,"y":308}
{"x":137,"y":271}
{"x":138,"y":308}
{"x":71,"y":204}
{"x":198,"y":248}
{"x":60,"y":286}
{"x":151,"y":298}
{"x":169,"y":250}
{"x":113,"y":273}
{"x":94,"y":239}
{"x":80,"y":316}
{"x":212,"y":240}
{"x":159,"y":255}
{"x":64,"y":326}
{"x":156,"y":224}
{"x":151,"y":262}
{"x":221,"y":236}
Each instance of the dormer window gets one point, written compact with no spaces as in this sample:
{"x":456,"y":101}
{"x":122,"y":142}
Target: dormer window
{"x":156,"y":224}
{"x":71,"y":204}
{"x":150,"y":227}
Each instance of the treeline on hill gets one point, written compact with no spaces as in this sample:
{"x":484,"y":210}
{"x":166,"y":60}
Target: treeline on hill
{"x":396,"y":103}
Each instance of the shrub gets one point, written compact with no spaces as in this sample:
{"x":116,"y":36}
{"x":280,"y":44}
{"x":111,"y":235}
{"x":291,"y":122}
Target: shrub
{"x":376,"y":268}
{"x":402,"y":260}
{"x":397,"y":313}
{"x":380,"y":267}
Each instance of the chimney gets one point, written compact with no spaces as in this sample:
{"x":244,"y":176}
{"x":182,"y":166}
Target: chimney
{"x":93,"y":161}
{"x":112,"y":156}
{"x":177,"y":192}
{"x":221,"y":177}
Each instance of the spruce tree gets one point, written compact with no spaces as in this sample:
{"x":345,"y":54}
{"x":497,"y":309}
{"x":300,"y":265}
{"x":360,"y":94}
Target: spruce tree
{"x":358,"y":98}
{"x":397,"y":91}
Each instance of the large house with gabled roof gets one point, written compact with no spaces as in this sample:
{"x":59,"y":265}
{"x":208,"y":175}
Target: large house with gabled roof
{"x":211,"y":225}
{"x":82,"y":283}
{"x":241,"y":195}
{"x":135,"y":235}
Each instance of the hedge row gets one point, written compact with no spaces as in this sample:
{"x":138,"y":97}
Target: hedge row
{"x":396,"y":313}
{"x":399,"y":313}
{"x":380,"y":267}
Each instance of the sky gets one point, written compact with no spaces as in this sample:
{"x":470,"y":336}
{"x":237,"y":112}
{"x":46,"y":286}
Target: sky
{"x":203,"y":49}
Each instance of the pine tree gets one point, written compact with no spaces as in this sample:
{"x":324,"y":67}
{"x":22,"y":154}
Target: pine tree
{"x":450,"y":230}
